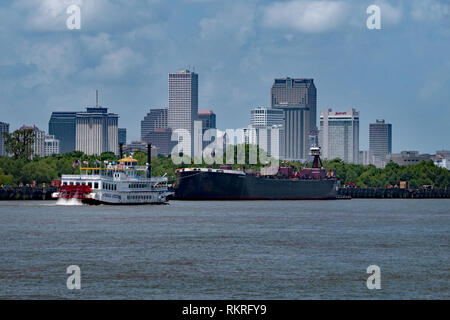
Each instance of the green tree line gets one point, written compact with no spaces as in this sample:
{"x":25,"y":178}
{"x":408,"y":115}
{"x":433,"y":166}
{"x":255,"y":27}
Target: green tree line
{"x":423,"y":173}
{"x":43,"y":170}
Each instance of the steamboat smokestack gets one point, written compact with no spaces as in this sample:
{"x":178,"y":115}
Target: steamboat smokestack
{"x":149,"y":161}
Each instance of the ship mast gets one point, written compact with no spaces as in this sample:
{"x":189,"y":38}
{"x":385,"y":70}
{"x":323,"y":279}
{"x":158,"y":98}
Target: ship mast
{"x":149,"y":161}
{"x":315,"y":152}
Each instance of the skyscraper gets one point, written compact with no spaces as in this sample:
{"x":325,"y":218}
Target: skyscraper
{"x":154,"y":130}
{"x":208,"y":119}
{"x":4,"y":127}
{"x":161,"y":141}
{"x":380,"y":139}
{"x":155,"y":119}
{"x":339,"y":135}
{"x":122,"y":136}
{"x":183,"y":104}
{"x":297,"y":98}
{"x":97,"y":131}
{"x":63,"y":126}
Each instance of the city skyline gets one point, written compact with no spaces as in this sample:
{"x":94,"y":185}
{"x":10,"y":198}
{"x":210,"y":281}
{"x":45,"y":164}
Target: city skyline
{"x":66,"y":112}
{"x":238,"y":48}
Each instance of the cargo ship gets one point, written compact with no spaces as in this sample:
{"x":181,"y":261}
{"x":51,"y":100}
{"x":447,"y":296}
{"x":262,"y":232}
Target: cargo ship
{"x":227,"y":184}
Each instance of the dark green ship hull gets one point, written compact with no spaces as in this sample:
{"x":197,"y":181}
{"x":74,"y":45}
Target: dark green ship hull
{"x":213,"y":185}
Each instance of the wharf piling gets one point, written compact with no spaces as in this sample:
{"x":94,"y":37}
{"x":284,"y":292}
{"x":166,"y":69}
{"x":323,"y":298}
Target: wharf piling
{"x":27,"y":193}
{"x":394,"y":193}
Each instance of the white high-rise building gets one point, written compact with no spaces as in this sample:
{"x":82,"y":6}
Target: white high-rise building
{"x":339,"y":135}
{"x":97,"y":131}
{"x":51,"y":146}
{"x":261,"y":131}
{"x":266,"y":117}
{"x":183,"y":105}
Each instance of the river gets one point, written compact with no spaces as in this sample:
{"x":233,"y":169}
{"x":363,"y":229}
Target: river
{"x":227,"y":250}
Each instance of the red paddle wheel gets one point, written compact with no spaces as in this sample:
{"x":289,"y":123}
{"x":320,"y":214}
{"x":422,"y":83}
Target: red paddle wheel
{"x":74,"y":192}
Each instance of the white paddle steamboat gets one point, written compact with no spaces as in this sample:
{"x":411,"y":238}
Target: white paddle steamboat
{"x":124,"y":183}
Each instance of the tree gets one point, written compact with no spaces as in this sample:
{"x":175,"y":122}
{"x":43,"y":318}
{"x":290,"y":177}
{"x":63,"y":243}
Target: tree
{"x":39,"y":171}
{"x":5,"y":179}
{"x":19,"y":143}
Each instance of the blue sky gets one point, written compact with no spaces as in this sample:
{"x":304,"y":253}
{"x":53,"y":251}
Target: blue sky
{"x":126,"y":48}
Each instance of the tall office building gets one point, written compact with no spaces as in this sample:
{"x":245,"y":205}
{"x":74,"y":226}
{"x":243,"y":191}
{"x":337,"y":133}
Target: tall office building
{"x":97,"y":131}
{"x":122,"y":136}
{"x":161,"y":141}
{"x":51,"y":145}
{"x":297,"y":98}
{"x":155,"y":119}
{"x":4,"y":128}
{"x":39,"y":141}
{"x":62,"y":125}
{"x":208,"y":119}
{"x":154,"y":130}
{"x":183,"y":105}
{"x":339,"y":135}
{"x":380,"y":139}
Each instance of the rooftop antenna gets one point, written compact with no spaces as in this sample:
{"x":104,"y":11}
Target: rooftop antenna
{"x":96,"y":97}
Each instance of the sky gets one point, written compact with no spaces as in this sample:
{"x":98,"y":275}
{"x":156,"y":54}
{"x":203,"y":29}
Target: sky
{"x":126,"y":48}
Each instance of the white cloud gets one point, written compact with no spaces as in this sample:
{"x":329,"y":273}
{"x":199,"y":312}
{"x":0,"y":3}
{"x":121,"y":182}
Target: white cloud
{"x":305,"y":16}
{"x":154,"y":31}
{"x":116,"y":65}
{"x":235,"y":23}
{"x":52,"y":61}
{"x":430,"y":10}
{"x":96,"y":15}
{"x":390,"y":15}
{"x":97,"y":44}
{"x":44,"y":15}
